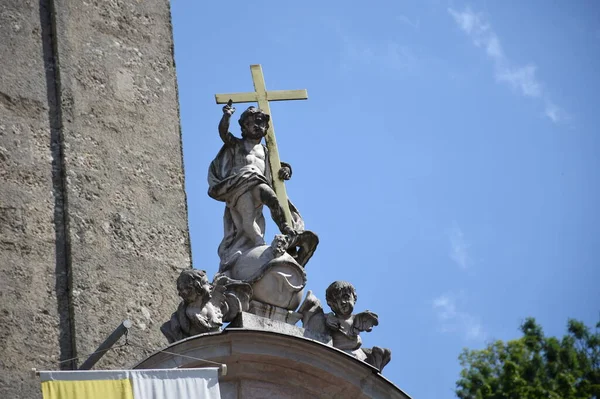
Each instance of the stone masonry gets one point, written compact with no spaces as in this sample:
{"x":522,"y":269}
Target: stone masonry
{"x":93,"y":218}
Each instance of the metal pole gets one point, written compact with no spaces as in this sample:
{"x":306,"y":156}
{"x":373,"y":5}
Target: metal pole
{"x":106,"y":345}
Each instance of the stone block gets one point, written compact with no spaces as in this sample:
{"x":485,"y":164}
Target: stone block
{"x":253,"y":322}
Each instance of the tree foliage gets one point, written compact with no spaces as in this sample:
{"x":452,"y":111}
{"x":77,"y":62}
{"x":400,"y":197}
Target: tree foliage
{"x":534,"y":366}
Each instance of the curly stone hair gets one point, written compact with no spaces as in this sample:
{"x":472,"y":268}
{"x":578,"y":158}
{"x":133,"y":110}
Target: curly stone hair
{"x":337,"y":289}
{"x":196,"y":276}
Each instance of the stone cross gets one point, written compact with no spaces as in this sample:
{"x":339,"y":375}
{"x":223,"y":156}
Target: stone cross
{"x":262,"y":97}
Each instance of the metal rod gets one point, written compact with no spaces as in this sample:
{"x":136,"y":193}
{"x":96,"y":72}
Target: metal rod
{"x":106,"y":345}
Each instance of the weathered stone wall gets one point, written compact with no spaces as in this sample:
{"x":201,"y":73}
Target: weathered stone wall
{"x":29,"y":333}
{"x":93,"y":218}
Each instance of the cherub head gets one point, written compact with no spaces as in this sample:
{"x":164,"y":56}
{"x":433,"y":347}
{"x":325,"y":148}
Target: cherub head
{"x":341,"y":297}
{"x":279,"y":245}
{"x":254,"y":123}
{"x":193,"y":284}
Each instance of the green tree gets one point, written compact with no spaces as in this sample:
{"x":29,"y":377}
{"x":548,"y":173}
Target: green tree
{"x":534,"y":366}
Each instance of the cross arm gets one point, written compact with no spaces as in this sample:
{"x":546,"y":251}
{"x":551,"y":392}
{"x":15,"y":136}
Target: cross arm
{"x":236,"y":98}
{"x":281,"y":95}
{"x":272,"y":95}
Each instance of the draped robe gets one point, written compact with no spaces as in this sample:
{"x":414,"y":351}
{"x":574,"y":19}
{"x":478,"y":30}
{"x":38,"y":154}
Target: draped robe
{"x":229,"y":177}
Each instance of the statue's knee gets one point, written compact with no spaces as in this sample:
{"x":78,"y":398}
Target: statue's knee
{"x":249,"y":226}
{"x":267,"y":195}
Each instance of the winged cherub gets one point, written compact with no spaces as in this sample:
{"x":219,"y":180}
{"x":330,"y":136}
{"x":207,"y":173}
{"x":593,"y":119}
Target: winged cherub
{"x":345,"y":327}
{"x":205,"y":307}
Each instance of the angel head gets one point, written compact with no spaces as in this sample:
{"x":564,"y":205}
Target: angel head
{"x":341,"y":297}
{"x":193,"y":284}
{"x":254,"y":123}
{"x":280,"y":244}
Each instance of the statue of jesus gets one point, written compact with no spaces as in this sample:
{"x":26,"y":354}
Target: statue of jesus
{"x":240,"y":176}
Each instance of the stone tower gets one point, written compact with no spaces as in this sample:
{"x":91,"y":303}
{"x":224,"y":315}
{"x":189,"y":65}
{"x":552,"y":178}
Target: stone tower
{"x":93,"y":218}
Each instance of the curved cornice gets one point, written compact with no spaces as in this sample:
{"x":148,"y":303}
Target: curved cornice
{"x":279,"y":362}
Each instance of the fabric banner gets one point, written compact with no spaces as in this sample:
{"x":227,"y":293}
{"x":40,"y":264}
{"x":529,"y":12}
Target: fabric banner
{"x":132,"y":384}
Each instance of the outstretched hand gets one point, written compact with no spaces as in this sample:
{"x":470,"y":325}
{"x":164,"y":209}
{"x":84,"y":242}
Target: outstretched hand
{"x":229,"y":109}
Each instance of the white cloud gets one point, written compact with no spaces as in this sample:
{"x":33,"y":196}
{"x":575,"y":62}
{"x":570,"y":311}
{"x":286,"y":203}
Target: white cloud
{"x":407,"y":21}
{"x":459,"y":247}
{"x":453,"y":320}
{"x":493,"y":47}
{"x":467,"y":21}
{"x":521,"y":78}
{"x":445,"y":306}
{"x":553,"y":112}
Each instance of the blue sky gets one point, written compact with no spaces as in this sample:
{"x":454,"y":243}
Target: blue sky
{"x":447,"y":157}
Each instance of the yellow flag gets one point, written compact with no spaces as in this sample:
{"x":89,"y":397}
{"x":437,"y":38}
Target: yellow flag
{"x":190,"y":383}
{"x":89,"y":389}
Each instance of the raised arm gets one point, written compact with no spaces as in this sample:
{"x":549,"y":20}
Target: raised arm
{"x":228,"y":110}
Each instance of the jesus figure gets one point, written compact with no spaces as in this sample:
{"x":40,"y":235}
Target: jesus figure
{"x":240,"y":176}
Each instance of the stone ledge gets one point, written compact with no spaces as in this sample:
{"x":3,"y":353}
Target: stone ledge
{"x":286,"y":366}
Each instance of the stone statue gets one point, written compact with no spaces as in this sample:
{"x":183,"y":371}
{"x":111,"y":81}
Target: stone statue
{"x":240,"y":177}
{"x":344,"y":326}
{"x":248,"y":176}
{"x":205,"y":307}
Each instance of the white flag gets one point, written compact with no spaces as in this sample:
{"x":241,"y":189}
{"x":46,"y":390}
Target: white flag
{"x":202,"y":383}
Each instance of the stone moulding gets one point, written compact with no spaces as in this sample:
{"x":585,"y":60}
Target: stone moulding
{"x":283,"y":365}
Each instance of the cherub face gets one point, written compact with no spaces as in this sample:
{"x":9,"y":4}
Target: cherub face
{"x":343,"y":305}
{"x":186,"y":289}
{"x":279,"y":245}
